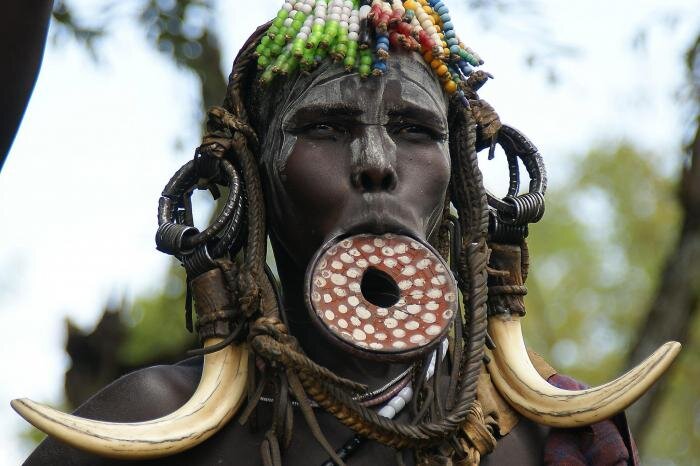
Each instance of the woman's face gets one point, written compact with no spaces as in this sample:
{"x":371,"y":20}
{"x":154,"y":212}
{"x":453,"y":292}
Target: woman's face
{"x":359,"y":155}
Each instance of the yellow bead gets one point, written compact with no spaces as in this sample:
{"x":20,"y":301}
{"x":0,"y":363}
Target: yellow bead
{"x":428,"y":56}
{"x":435,"y":64}
{"x":441,"y":70}
{"x":450,"y":87}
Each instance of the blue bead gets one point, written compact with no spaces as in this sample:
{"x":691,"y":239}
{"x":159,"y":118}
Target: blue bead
{"x":382,"y":46}
{"x":379,"y":65}
{"x":445,"y":18}
{"x":450,"y":34}
{"x":455,"y":49}
{"x":447,"y":26}
{"x":452,"y":41}
{"x":383,"y":40}
{"x":441,"y":10}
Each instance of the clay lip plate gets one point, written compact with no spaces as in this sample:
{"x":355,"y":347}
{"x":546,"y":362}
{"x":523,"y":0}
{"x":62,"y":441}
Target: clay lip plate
{"x":422,"y":316}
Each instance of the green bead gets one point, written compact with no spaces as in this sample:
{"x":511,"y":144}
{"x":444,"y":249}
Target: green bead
{"x":313,"y":41}
{"x":263,"y":62}
{"x":278,"y":22}
{"x":267,"y":77}
{"x":349,"y":62}
{"x":260,"y":50}
{"x":289,"y":67}
{"x":265,"y":40}
{"x":280,"y":39}
{"x":365,"y":70}
{"x":365,"y":59}
{"x":282,"y":14}
{"x":316,"y":28}
{"x":275,"y":50}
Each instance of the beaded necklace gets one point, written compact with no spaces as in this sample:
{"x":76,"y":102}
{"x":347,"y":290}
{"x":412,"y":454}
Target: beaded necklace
{"x":360,"y":34}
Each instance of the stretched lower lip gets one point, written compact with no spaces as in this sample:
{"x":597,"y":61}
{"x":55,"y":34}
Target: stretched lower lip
{"x":357,"y":315}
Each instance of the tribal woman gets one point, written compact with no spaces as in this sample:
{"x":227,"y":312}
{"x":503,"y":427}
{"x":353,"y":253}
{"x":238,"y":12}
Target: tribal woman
{"x":389,"y":332}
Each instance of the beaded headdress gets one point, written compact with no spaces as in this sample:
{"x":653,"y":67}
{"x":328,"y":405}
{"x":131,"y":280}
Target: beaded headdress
{"x":360,"y":34}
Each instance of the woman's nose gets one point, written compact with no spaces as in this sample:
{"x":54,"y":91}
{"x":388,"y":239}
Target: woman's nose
{"x":374,"y":161}
{"x":373,"y":178}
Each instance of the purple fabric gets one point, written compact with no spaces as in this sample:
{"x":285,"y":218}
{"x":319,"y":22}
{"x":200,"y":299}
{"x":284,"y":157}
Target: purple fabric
{"x":606,"y":443}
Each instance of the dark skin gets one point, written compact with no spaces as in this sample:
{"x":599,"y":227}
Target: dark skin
{"x":23,"y":28}
{"x":373,"y":159}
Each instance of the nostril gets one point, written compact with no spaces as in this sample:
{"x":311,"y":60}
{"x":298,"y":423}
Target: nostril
{"x":389,"y":181}
{"x":366,"y":182}
{"x":374,"y":180}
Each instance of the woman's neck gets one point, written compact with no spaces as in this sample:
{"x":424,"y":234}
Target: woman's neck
{"x":318,"y":347}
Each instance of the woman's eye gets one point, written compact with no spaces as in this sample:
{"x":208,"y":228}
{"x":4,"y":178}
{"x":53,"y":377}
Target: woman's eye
{"x":323,"y":131}
{"x":418,"y":133}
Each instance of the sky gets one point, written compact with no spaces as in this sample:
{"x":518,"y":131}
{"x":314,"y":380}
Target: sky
{"x":79,"y":190}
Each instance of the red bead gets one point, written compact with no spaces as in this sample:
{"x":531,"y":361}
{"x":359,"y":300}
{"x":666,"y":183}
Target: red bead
{"x":426,"y":41}
{"x":375,"y":13}
{"x":394,"y":39}
{"x":404,"y":28}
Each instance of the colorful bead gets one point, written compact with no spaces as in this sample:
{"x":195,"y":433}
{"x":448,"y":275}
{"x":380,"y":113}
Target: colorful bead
{"x":361,"y":35}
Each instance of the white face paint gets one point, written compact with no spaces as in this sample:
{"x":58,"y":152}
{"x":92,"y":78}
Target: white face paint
{"x":340,"y":151}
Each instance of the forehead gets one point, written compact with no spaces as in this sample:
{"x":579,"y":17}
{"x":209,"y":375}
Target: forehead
{"x":408,"y":82}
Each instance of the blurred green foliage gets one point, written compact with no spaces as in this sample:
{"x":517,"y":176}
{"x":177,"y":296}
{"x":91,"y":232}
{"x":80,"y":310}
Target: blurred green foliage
{"x":595,"y":261}
{"x":156,"y":324}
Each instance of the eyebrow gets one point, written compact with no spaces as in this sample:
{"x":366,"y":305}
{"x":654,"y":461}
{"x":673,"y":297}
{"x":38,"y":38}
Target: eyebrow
{"x":333,"y":109}
{"x":414,"y":113}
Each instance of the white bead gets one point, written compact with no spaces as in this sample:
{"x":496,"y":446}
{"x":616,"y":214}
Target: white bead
{"x":320,"y":21}
{"x":344,"y":24}
{"x":306,"y":9}
{"x":334,"y":17}
{"x":305,"y":29}
{"x":287,"y":6}
{"x":364,"y":11}
{"x":354,"y":27}
{"x":348,"y":4}
{"x":303,"y":36}
{"x":344,"y":17}
{"x":387,"y":412}
{"x":287,"y":22}
{"x":397,"y":403}
{"x":406,"y":393}
{"x":353,"y":36}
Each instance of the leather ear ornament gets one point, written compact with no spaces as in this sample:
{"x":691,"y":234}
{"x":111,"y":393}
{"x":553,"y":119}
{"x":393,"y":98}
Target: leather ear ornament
{"x":384,"y":297}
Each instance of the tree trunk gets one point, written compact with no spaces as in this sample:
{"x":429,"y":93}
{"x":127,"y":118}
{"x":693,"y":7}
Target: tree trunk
{"x":676,"y":300}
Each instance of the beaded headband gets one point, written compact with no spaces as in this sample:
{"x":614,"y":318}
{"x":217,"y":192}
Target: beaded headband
{"x":360,"y":34}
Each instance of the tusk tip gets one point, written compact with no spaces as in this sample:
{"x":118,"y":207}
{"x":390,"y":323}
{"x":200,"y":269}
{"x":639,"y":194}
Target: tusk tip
{"x":671,"y":348}
{"x":20,"y":405}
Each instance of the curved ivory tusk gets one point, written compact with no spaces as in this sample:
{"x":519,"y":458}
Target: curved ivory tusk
{"x":518,"y":381}
{"x":216,"y":400}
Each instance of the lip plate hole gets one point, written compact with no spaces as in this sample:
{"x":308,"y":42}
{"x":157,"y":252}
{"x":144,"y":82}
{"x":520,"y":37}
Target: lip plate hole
{"x":379,"y":288}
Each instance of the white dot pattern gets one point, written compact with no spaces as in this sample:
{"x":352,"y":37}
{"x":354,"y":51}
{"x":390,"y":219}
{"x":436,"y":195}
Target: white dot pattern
{"x":423,"y":313}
